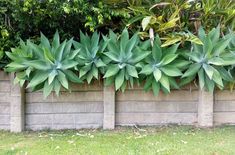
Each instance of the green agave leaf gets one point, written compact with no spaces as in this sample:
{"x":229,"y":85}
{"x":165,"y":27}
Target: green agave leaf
{"x":109,"y":81}
{"x":113,"y":48}
{"x":85,"y":40}
{"x":73,"y":54}
{"x":119,"y":79}
{"x":201,"y":33}
{"x":194,"y":56}
{"x":157,"y":74}
{"x":214,"y":34}
{"x":48,"y":56}
{"x":124,"y":40}
{"x":156,"y":88}
{"x":168,"y":59}
{"x":100,"y":63}
{"x":95,"y":39}
{"x":84,"y":70}
{"x":94,"y":72}
{"x":11,"y":55}
{"x":156,"y":51}
{"x":37,"y":64}
{"x":112,"y":70}
{"x":89,"y":77}
{"x":132,"y":71}
{"x":173,"y":83}
{"x":63,"y":80}
{"x":113,"y":56}
{"x":14,"y":66}
{"x":217,"y":61}
{"x":145,"y":45}
{"x":210,"y":85}
{"x":209,"y":70}
{"x":224,"y":73}
{"x":57,"y":87}
{"x":72,"y":76}
{"x":171,"y":71}
{"x":221,"y":46}
{"x":147,"y":69}
{"x":173,"y":49}
{"x":148,"y":83}
{"x":180,"y":63}
{"x":165,"y":82}
{"x":131,"y":43}
{"x":38,"y":78}
{"x":201,"y":77}
{"x":45,"y":42}
{"x":207,"y":48}
{"x":192,"y":70}
{"x":52,"y":76}
{"x":67,"y":48}
{"x":217,"y":78}
{"x":47,"y":88}
{"x":35,"y":49}
{"x":56,"y":40}
{"x":67,"y":64}
{"x":187,"y":80}
{"x":60,"y":51}
{"x":112,"y":35}
{"x":138,"y":56}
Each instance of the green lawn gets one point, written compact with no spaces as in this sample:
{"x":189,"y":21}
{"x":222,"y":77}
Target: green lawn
{"x":165,"y":140}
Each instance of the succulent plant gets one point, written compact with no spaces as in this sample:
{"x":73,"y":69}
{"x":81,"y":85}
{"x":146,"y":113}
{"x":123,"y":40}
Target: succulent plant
{"x":89,"y":58}
{"x":161,"y":67}
{"x":208,"y":61}
{"x":123,"y":55}
{"x":46,"y":66}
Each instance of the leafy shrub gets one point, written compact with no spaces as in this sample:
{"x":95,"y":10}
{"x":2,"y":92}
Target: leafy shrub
{"x":45,"y":66}
{"x":26,"y":19}
{"x":173,"y":19}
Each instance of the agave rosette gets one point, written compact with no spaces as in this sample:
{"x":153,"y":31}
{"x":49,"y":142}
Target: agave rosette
{"x":45,"y":66}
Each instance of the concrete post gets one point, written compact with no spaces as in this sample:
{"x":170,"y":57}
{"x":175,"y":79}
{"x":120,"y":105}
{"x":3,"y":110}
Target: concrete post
{"x":109,"y":108}
{"x":17,"y":100}
{"x":205,"y":109}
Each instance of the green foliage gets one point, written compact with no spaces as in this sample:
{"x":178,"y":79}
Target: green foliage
{"x":208,"y":61}
{"x":172,"y":19}
{"x":89,"y":57}
{"x":216,"y":12}
{"x":46,"y":66}
{"x":26,"y":19}
{"x":123,"y":55}
{"x":124,"y":60}
{"x":161,"y":67}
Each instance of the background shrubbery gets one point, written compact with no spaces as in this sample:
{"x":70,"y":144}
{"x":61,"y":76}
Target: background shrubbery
{"x":170,"y":18}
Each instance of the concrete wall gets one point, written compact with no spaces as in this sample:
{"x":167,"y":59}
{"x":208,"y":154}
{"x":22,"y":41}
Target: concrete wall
{"x":93,"y":106}
{"x":82,"y":108}
{"x":135,"y":106}
{"x":224,"y":107}
{"x":4,"y":101}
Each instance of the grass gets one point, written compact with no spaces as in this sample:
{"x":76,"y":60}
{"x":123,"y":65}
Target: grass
{"x":173,"y":140}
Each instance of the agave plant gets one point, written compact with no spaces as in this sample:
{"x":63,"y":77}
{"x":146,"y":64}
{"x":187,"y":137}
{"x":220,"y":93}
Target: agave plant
{"x":161,"y":66}
{"x":123,"y":54}
{"x":89,"y":57}
{"x":47,"y":66}
{"x":208,"y":61}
